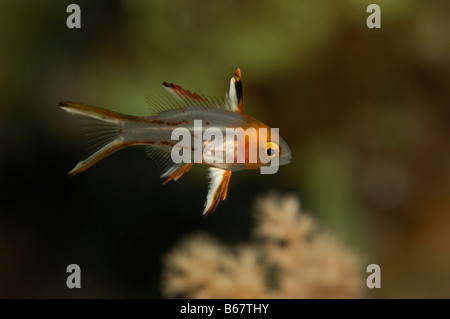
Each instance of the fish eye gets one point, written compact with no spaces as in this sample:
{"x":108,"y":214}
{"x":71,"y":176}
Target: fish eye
{"x":272,"y":149}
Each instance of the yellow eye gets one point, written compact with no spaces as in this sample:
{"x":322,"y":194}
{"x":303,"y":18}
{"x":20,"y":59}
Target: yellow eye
{"x":272,"y":149}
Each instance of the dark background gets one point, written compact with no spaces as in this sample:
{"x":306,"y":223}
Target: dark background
{"x":365,"y":112}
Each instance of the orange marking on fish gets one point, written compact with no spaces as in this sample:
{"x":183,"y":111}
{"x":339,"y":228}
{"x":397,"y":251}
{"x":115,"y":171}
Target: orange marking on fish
{"x":177,"y":174}
{"x":237,"y":75}
{"x":166,"y":143}
{"x":156,"y":121}
{"x":170,"y":123}
{"x":153,"y":130}
{"x":97,"y":110}
{"x":107,"y":152}
{"x":221,"y":192}
{"x":178,"y":89}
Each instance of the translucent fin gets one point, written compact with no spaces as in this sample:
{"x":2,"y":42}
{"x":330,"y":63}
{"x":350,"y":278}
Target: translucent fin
{"x":175,"y":97}
{"x":167,"y":168}
{"x":218,"y":188}
{"x":235,"y":94}
{"x":102,"y":127}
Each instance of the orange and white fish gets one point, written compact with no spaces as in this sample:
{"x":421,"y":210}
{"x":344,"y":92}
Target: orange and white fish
{"x":179,"y":108}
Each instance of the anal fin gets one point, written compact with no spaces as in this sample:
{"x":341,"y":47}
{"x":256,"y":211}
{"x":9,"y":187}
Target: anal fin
{"x":167,"y":168}
{"x":176,"y":174}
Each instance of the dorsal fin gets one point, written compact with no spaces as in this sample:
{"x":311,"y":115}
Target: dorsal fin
{"x":235,"y":94}
{"x":179,"y":91}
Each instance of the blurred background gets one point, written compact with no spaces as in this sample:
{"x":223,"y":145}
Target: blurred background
{"x":365,"y":111}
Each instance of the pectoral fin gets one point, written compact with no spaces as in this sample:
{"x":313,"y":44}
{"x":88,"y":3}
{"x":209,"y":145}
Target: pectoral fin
{"x":218,"y":188}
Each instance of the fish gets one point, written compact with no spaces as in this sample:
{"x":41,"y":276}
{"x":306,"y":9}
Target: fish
{"x":175,"y":110}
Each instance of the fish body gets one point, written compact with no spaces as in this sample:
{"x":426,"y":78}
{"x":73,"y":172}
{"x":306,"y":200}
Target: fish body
{"x":194,"y":115}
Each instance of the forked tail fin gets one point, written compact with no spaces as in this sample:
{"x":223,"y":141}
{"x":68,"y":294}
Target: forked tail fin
{"x":103,"y":128}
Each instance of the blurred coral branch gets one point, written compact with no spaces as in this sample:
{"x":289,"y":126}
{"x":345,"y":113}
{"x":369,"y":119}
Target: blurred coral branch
{"x":287,"y":259}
